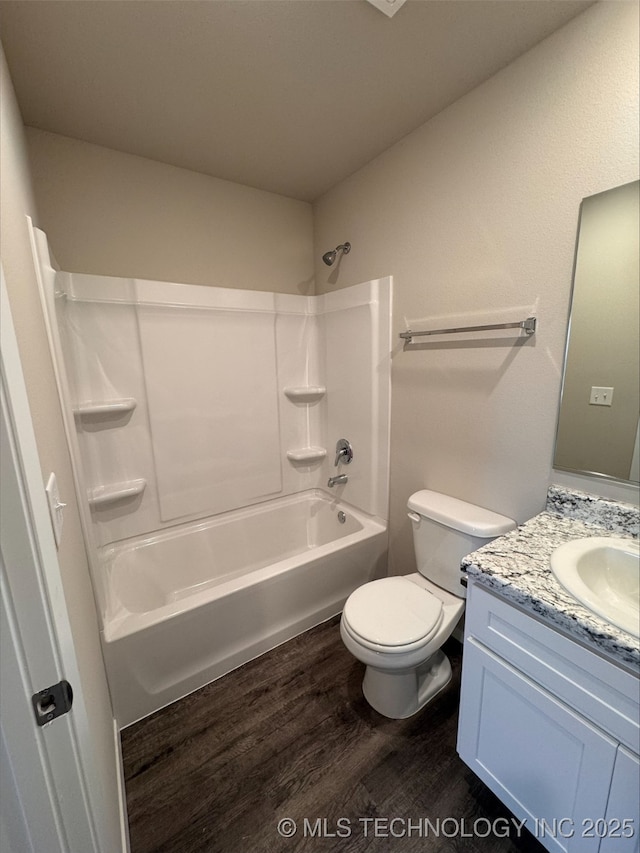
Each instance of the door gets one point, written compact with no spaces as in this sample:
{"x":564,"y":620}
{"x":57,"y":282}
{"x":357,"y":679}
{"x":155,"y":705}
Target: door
{"x":620,"y":830}
{"x":546,"y":763}
{"x":50,"y":783}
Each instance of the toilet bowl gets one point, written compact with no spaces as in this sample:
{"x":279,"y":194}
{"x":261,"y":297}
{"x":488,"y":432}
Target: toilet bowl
{"x":397,"y":625}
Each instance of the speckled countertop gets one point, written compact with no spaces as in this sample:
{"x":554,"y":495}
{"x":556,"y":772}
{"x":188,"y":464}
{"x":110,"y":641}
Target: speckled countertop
{"x":517,"y":567}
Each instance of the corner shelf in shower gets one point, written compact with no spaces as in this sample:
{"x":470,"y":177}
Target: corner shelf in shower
{"x":305,"y":393}
{"x":306,"y":454}
{"x":101,"y":496}
{"x":105,"y":409}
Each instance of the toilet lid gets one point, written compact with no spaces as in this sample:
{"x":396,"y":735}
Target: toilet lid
{"x":393,"y":612}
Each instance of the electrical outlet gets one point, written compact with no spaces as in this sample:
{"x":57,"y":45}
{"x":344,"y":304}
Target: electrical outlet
{"x":56,"y":507}
{"x":601,"y":396}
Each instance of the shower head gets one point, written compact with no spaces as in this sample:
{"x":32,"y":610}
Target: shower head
{"x":329,"y":257}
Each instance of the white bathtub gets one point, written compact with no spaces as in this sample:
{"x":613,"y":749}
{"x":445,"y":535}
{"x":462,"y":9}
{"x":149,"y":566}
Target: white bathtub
{"x":190,"y":604}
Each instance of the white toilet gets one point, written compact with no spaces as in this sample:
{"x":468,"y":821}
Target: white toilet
{"x":397,"y":625}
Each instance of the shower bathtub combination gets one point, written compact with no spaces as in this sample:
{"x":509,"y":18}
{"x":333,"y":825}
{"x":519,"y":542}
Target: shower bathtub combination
{"x":193,"y":603}
{"x":202,"y":423}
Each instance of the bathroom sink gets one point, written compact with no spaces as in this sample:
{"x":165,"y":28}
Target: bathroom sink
{"x":603,"y":574}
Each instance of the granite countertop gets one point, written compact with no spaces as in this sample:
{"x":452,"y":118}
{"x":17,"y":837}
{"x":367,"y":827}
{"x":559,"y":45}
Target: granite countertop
{"x":517,"y":567}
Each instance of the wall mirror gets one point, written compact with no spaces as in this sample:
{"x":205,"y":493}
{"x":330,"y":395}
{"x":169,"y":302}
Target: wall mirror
{"x":598,"y":419}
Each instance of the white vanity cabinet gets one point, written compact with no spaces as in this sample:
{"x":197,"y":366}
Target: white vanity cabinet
{"x":551,"y":727}
{"x":623,"y":799}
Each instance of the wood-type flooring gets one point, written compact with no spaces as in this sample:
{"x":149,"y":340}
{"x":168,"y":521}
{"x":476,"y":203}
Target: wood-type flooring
{"x":287,"y":744}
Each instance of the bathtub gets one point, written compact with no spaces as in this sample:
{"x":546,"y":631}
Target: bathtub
{"x":187,"y":605}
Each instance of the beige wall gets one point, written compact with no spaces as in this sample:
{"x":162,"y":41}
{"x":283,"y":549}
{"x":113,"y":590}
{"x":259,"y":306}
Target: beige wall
{"x":110,"y":213}
{"x":474,"y":213}
{"x":17,"y":201}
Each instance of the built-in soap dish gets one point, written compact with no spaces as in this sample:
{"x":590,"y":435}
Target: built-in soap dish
{"x":101,"y":496}
{"x":305,"y":393}
{"x":104,"y":409}
{"x":306,"y":454}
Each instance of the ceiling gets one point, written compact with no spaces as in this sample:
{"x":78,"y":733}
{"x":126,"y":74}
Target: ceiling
{"x":289,"y":96}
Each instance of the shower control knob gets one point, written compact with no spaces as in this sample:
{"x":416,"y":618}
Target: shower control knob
{"x":344,"y":452}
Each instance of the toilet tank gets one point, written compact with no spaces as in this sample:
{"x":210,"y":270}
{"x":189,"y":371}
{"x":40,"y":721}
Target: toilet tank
{"x":445,"y":530}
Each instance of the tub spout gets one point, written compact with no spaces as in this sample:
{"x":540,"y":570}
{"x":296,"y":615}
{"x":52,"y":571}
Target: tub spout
{"x":337,"y":481}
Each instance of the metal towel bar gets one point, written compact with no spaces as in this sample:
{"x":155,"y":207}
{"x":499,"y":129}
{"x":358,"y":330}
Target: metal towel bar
{"x":528,"y":325}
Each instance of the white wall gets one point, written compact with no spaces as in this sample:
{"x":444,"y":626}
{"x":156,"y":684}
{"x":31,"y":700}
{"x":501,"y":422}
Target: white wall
{"x":167,"y":349}
{"x":474,"y":213}
{"x":109,"y":213}
{"x":16,"y":202}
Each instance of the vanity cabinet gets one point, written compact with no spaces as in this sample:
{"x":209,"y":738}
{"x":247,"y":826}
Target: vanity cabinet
{"x":623,"y":799}
{"x":551,"y":727}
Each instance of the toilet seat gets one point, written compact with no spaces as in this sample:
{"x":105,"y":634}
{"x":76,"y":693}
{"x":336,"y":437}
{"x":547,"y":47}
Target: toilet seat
{"x":392,"y":615}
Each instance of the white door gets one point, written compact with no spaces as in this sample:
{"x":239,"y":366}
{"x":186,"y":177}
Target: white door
{"x":49,"y":782}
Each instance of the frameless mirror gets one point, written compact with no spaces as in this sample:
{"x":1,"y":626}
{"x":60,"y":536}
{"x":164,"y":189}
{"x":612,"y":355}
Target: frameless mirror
{"x":598,"y":420}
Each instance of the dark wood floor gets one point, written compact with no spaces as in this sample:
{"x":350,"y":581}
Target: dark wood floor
{"x":290,"y":736}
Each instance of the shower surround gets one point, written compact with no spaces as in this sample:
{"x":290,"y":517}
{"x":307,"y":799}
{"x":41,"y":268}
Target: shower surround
{"x":202,"y":423}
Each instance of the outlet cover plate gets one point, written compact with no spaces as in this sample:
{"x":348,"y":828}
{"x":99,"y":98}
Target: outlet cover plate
{"x":601,"y":396}
{"x":389,"y":7}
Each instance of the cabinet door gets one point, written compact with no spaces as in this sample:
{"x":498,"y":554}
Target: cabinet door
{"x":621,"y":827}
{"x":547,"y":764}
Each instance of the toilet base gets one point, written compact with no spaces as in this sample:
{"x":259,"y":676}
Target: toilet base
{"x":401,"y":693}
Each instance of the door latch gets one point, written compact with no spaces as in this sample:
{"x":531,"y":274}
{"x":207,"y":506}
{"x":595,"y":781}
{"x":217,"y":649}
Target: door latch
{"x":52,"y":702}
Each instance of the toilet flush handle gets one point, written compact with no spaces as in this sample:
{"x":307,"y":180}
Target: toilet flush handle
{"x":414,"y":517}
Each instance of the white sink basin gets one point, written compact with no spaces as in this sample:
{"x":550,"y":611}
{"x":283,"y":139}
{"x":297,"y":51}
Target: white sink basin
{"x":603,"y":574}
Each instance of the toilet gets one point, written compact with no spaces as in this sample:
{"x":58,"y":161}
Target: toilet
{"x":397,"y":625}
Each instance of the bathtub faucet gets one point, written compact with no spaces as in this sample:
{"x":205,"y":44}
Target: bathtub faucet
{"x":337,"y":481}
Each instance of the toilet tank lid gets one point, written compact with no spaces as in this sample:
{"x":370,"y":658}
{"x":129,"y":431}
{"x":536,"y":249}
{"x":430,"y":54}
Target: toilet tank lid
{"x":460,"y":515}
